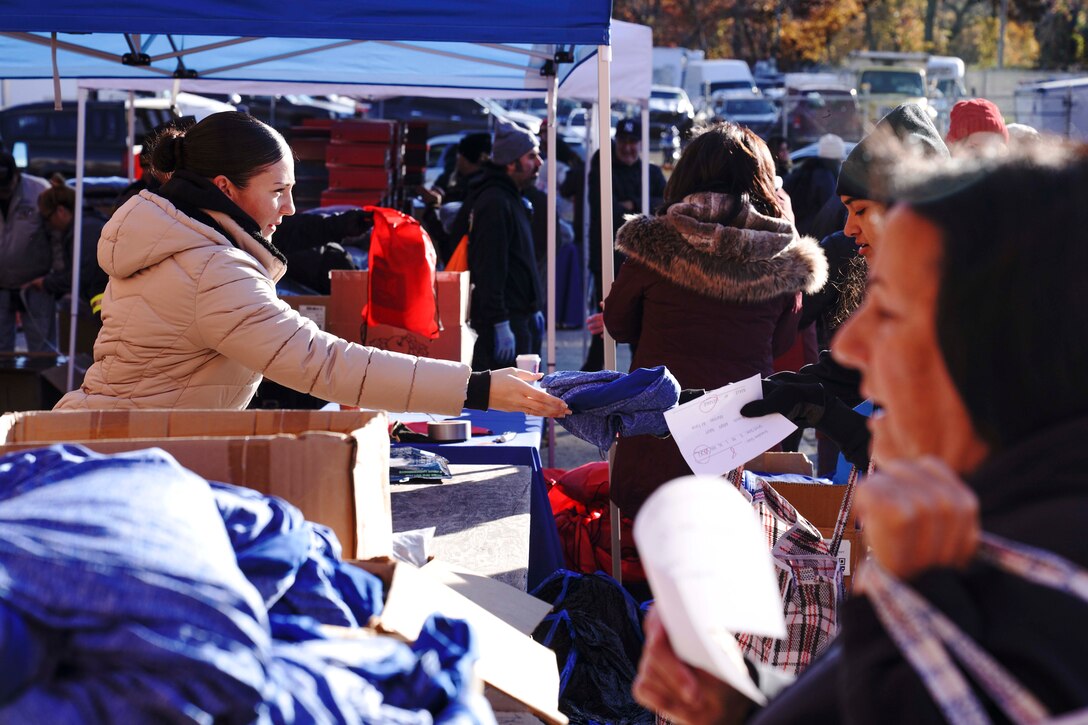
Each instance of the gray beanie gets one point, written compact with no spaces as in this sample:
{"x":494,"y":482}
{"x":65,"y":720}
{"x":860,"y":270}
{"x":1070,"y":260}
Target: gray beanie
{"x":511,"y":143}
{"x":865,"y":172}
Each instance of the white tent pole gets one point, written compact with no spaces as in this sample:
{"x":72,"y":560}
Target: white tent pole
{"x":604,"y":127}
{"x":131,"y":123}
{"x":591,"y":148}
{"x":77,"y":241}
{"x":553,"y":187}
{"x":646,"y":158}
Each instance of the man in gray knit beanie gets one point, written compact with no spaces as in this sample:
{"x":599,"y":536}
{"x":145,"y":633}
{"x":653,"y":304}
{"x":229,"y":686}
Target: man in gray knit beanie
{"x":511,"y":142}
{"x":506,"y":296}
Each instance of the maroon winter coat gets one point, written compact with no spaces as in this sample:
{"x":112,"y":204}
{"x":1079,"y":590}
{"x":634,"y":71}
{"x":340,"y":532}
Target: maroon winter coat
{"x":714,"y":303}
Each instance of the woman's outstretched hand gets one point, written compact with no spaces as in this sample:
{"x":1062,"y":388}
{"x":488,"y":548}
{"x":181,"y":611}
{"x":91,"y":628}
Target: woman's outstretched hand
{"x":511,"y":391}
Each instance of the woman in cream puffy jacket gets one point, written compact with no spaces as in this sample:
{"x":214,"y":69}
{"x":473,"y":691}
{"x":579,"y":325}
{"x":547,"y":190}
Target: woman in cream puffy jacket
{"x":190,"y":318}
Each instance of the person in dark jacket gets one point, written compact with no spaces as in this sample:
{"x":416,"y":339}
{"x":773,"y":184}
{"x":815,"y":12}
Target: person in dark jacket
{"x":25,"y":255}
{"x":57,"y":207}
{"x":711,"y":287}
{"x":975,"y":435}
{"x":812,"y":183}
{"x":626,"y":199}
{"x":506,"y":301}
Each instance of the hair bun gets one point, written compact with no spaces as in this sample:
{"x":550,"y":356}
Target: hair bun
{"x":169,"y":152}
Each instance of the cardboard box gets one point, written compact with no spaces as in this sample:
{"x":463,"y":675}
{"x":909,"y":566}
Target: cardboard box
{"x":334,"y":466}
{"x":817,"y":502}
{"x":454,"y":342}
{"x":314,"y":307}
{"x":520,"y":675}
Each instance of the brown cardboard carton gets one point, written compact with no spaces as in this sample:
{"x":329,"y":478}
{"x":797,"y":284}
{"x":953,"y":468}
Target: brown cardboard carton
{"x":520,"y":675}
{"x":454,"y":342}
{"x":334,"y":466}
{"x":313,"y":307}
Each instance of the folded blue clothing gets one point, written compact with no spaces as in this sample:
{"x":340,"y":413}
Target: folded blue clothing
{"x":608,"y":403}
{"x":122,"y":600}
{"x":295,"y":564}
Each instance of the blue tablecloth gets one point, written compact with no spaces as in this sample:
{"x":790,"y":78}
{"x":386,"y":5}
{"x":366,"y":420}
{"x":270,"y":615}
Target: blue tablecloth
{"x":545,"y":550}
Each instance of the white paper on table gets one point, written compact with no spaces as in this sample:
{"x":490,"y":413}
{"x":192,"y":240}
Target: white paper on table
{"x":715,"y":438}
{"x":711,"y":572}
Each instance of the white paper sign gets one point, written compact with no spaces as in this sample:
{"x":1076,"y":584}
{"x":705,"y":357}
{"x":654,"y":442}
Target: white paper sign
{"x":715,"y":438}
{"x":710,"y":569}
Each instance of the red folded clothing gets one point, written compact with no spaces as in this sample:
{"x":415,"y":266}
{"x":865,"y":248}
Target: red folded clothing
{"x":421,"y":428}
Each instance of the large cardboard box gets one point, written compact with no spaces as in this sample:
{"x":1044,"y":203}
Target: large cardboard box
{"x":817,"y":502}
{"x":520,"y":675}
{"x":334,"y":466}
{"x":454,"y":342}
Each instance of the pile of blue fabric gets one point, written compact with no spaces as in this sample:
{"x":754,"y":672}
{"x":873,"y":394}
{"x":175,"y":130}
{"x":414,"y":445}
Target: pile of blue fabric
{"x":132,"y":590}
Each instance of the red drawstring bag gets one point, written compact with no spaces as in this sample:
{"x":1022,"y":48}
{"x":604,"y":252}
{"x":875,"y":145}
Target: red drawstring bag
{"x":401,"y":284}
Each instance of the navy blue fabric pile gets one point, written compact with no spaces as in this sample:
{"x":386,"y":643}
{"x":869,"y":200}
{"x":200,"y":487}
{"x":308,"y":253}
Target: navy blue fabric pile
{"x":122,"y":600}
{"x":607,"y":403}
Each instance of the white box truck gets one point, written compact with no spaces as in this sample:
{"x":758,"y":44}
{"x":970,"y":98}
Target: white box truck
{"x":705,"y":78}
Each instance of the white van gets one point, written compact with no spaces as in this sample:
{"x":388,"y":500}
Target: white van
{"x":705,"y":78}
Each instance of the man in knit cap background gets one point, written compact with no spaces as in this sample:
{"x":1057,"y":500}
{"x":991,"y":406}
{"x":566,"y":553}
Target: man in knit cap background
{"x":975,"y":127}
{"x":506,"y":299}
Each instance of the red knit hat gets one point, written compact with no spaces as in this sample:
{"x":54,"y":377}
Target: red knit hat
{"x":974,"y":116}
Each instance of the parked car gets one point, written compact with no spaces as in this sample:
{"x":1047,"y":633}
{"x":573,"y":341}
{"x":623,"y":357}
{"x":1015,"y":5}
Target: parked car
{"x":441,"y":155}
{"x":757,"y":113}
{"x":450,"y":115}
{"x":48,"y":136}
{"x":812,"y":149}
{"x":815,"y":111}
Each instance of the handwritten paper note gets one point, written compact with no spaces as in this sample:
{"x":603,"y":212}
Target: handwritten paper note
{"x":715,"y":438}
{"x":710,"y":569}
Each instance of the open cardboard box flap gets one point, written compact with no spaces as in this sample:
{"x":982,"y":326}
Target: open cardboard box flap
{"x":331,"y":465}
{"x":514,"y":667}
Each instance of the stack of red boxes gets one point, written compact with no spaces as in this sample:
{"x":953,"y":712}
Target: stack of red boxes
{"x":363,"y":159}
{"x":309,"y":142}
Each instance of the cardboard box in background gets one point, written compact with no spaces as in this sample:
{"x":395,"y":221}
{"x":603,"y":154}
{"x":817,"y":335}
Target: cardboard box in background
{"x":314,"y":307}
{"x":454,"y":342}
{"x":520,"y":675}
{"x":817,"y":502}
{"x":334,"y":466}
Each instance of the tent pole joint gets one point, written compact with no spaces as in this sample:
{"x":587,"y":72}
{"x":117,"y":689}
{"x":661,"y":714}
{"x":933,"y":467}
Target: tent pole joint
{"x":548,"y":69}
{"x":140,"y":59}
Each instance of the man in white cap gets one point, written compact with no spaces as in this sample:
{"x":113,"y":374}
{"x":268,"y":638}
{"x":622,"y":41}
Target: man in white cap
{"x":812,"y":183}
{"x":506,"y":300}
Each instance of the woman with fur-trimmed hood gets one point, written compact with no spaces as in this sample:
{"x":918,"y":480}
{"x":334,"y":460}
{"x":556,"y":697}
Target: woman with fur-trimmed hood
{"x":711,"y":287}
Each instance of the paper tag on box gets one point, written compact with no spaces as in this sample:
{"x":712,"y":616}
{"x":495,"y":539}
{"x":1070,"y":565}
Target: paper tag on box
{"x":844,"y":555}
{"x":315,"y":313}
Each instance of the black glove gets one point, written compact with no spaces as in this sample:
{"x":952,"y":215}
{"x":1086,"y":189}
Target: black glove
{"x":689,"y":394}
{"x":809,"y":405}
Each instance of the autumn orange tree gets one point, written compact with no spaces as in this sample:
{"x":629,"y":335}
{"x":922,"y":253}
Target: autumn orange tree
{"x":807,"y":33}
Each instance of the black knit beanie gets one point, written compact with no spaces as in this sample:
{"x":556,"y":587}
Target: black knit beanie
{"x":863,"y":173}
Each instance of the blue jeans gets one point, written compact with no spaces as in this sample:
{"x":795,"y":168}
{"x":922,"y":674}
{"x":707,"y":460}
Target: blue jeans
{"x":39,"y":313}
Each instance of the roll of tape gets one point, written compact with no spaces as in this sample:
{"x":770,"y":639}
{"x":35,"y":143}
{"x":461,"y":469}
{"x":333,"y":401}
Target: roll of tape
{"x":449,"y":431}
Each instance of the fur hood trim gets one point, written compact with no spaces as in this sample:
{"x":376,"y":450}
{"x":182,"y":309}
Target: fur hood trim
{"x":710,"y":246}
